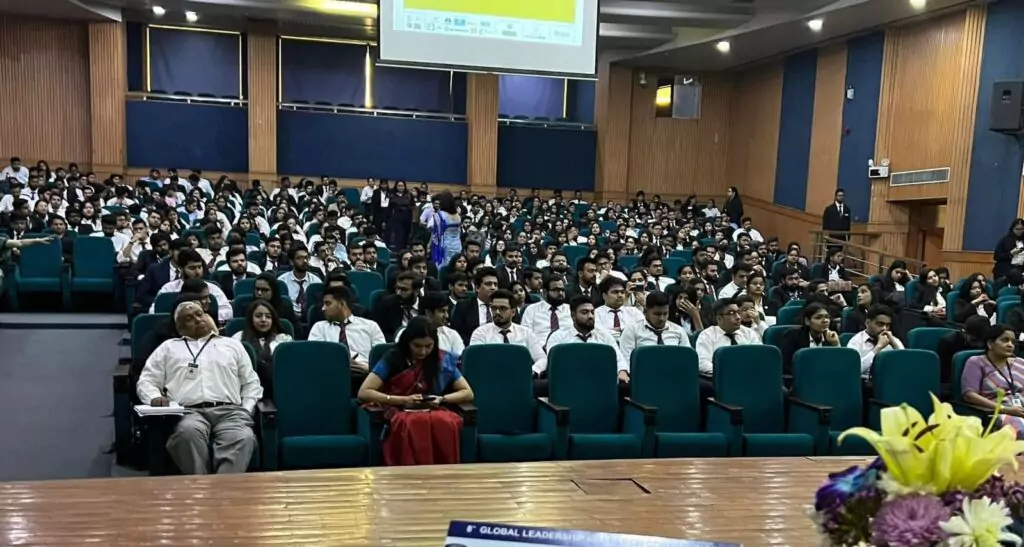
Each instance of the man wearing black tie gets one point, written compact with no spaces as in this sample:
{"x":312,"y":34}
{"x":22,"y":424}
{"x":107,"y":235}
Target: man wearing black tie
{"x":586,"y":282}
{"x":511,"y":270}
{"x":237,"y":271}
{"x":395,"y":310}
{"x":342,"y":326}
{"x":470,"y":314}
{"x":836,"y":217}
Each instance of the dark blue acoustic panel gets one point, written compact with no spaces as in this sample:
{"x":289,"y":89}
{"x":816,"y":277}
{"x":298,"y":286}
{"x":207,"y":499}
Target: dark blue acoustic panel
{"x":795,"y":126}
{"x":195,"y":62}
{"x":581,"y":100}
{"x":532,"y":96}
{"x":860,"y":118}
{"x":167,"y":134}
{"x":354,"y":146}
{"x":323,"y":71}
{"x":420,"y":89}
{"x":135,"y":43}
{"x":539,"y":157}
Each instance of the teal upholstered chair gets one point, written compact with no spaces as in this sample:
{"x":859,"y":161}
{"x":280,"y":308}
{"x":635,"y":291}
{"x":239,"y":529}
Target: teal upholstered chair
{"x":749,"y":407}
{"x":628,"y":262}
{"x":685,"y":254}
{"x":903,"y":376}
{"x":244,"y":287}
{"x":666,"y":378}
{"x":314,"y":422}
{"x":798,"y":303}
{"x":927,"y":338}
{"x":845,"y":338}
{"x":377,"y":353}
{"x":573,"y":253}
{"x":1008,"y":291}
{"x":164,"y":303}
{"x":672,"y":266}
{"x":1003,"y":308}
{"x":366,"y":283}
{"x":828,"y":378}
{"x":315,"y":297}
{"x":956,"y":397}
{"x":40,"y":269}
{"x":502,"y":380}
{"x":240,"y":304}
{"x":773,"y":335}
{"x":910,"y":292}
{"x":582,"y":378}
{"x":142,"y":324}
{"x":93,"y":266}
{"x":789,"y":315}
{"x":238,"y":323}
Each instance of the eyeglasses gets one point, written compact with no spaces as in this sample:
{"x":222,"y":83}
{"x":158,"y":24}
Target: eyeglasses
{"x":731,"y":313}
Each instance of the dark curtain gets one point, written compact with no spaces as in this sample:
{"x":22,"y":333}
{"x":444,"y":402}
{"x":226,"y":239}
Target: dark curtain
{"x":399,"y":87}
{"x":531,"y":96}
{"x":188,"y":136}
{"x":195,"y":62}
{"x":323,"y":72}
{"x":581,"y":100}
{"x":546,"y":158}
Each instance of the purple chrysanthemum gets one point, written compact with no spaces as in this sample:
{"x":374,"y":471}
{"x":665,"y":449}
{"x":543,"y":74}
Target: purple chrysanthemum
{"x":910,"y":521}
{"x":849,"y":522}
{"x":844,"y":484}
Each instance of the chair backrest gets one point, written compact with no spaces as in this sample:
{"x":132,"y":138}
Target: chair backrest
{"x":667,"y":377}
{"x":142,"y":324}
{"x":789,"y":315}
{"x":798,"y":303}
{"x":629,"y":262}
{"x":910,"y":292}
{"x":685,"y":254}
{"x":751,"y":377}
{"x":906,"y":376}
{"x":927,"y":337}
{"x":573,"y":253}
{"x":41,"y":261}
{"x":312,"y":389}
{"x":773,"y":335}
{"x":315,"y":295}
{"x":238,"y":323}
{"x":94,"y":258}
{"x":164,"y":302}
{"x":582,"y":377}
{"x":672,"y":266}
{"x":252,"y":240}
{"x":844,"y":338}
{"x":376,"y":295}
{"x":1008,"y":291}
{"x":951,"y":299}
{"x":244,"y":287}
{"x":959,"y":361}
{"x":240,"y":304}
{"x":366,"y":283}
{"x":1004,"y":308}
{"x":830,"y":377}
{"x":377,"y":353}
{"x":502,"y":380}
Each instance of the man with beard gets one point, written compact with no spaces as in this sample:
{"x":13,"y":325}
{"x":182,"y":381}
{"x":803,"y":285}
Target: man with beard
{"x":160,"y":273}
{"x":550,"y":314}
{"x":501,"y":330}
{"x":709,"y":272}
{"x":559,"y":266}
{"x":782,"y":294}
{"x":299,"y":279}
{"x":470,"y":314}
{"x":159,"y":249}
{"x":237,"y":270}
{"x":583,"y":331}
{"x":394,"y":311}
{"x":586,"y":281}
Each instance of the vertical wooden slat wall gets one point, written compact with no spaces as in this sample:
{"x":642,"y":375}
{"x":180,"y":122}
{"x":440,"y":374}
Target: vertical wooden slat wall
{"x":827,"y":128}
{"x":888,"y":218}
{"x":46,"y":114}
{"x":673,"y":157}
{"x":754,"y":131}
{"x":108,"y":82}
{"x":482,"y":118}
{"x":613,"y":118}
{"x":262,"y":65}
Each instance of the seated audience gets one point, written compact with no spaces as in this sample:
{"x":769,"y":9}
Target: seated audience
{"x":654,"y":329}
{"x":342,"y":326}
{"x":749,"y":316}
{"x":263,"y":331}
{"x":190,"y":264}
{"x":237,"y":271}
{"x":165,"y":330}
{"x":266,"y":287}
{"x":738,"y":283}
{"x":416,"y":375}
{"x":299,"y":278}
{"x":970,"y":337}
{"x":973,"y":301}
{"x":756,"y":285}
{"x":834,"y":269}
{"x":855,"y":319}
{"x":583,"y":331}
{"x":586,"y":282}
{"x":469,"y":314}
{"x":792,"y":288}
{"x":999,"y":371}
{"x":550,"y":314}
{"x":434,"y":306}
{"x":213,"y":378}
{"x":393,"y":311}
{"x":501,"y":330}
{"x":930,"y":299}
{"x":729,"y":331}
{"x":876,"y":337}
{"x":814,"y":332}
{"x":614,"y":315}
{"x":892,"y":286}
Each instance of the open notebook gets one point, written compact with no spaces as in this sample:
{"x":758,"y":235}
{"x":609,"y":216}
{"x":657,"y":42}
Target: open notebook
{"x":147,"y":410}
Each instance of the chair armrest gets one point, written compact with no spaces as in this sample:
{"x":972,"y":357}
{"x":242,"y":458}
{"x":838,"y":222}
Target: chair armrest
{"x":554,"y":420}
{"x":267,"y":410}
{"x":466,"y":410}
{"x":640,"y":421}
{"x":266,"y":429}
{"x":727,"y":420}
{"x":649,"y":413}
{"x":370,"y":426}
{"x":969,"y":409}
{"x":467,"y":436}
{"x":561,"y":413}
{"x":735,"y":413}
{"x":824,"y":413}
{"x":812,"y":420}
{"x":879,"y":403}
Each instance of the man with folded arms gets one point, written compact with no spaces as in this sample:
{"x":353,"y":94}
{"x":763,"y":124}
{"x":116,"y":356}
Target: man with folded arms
{"x":212,"y":377}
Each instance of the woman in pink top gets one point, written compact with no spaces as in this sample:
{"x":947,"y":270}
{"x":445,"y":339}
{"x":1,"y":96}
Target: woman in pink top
{"x":998,"y":369}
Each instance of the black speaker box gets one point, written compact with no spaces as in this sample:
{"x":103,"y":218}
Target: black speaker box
{"x":1007,"y":115}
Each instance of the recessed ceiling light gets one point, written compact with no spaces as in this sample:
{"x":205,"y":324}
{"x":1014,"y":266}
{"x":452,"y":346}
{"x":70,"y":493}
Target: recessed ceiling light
{"x":918,"y":4}
{"x":816,"y":24}
{"x":191,"y":16}
{"x":158,"y":11}
{"x":724,"y":46}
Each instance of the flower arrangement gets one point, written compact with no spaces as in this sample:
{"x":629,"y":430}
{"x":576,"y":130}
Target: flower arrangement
{"x":935,"y":483}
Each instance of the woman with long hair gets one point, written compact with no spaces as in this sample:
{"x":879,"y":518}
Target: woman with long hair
{"x":892,"y":287}
{"x":998,"y":370}
{"x":264,"y":333}
{"x":399,"y":226}
{"x":412,"y":383}
{"x":445,"y":231}
{"x":265,"y":287}
{"x":973,"y":301}
{"x":856,"y":319}
{"x":814,"y":332}
{"x":733,"y":206}
{"x":930,"y":298}
{"x":1009,"y":251}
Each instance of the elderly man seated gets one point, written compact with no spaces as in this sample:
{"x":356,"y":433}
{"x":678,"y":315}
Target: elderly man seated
{"x":213,"y":378}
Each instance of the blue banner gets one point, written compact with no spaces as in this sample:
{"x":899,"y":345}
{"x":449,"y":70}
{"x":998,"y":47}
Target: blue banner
{"x":485,"y":534}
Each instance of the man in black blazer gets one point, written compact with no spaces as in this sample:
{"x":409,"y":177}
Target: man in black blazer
{"x":158,"y":275}
{"x":237,"y":271}
{"x":418,"y":248}
{"x":418,"y":266}
{"x":836,"y":217}
{"x":586,"y":282}
{"x":512,"y":268}
{"x":471,"y":313}
{"x":393,"y":311}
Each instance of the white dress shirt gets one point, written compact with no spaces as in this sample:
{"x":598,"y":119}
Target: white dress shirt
{"x":569,"y":335}
{"x":9,"y":172}
{"x":730,"y":290}
{"x":224,"y":375}
{"x":7,"y":203}
{"x":279,"y":339}
{"x":537,"y":318}
{"x":604,"y":318}
{"x":518,"y":335}
{"x":249,"y":267}
{"x":482,"y":310}
{"x":134,"y":251}
{"x":640,"y":334}
{"x":293,"y":286}
{"x":211,"y":258}
{"x":714,"y":337}
{"x":866,"y":348}
{"x":362,"y":335}
{"x":755,"y":236}
{"x":224,"y":312}
{"x":119,"y":240}
{"x":448,"y":339}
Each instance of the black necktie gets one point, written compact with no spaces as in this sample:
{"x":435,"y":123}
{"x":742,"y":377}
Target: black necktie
{"x":659,"y":332}
{"x":343,"y":333}
{"x":504,"y":336}
{"x":487,"y":313}
{"x":732,"y":338}
{"x":406,"y":313}
{"x":873,"y":340}
{"x":584,"y":337}
{"x":617,"y":323}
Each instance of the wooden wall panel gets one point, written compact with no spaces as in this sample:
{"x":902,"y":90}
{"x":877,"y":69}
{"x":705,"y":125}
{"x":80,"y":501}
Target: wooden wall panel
{"x":613,"y":118}
{"x":754,"y":131}
{"x":918,"y":192}
{"x":44,"y":105}
{"x":108,"y":83}
{"x":482,"y":117}
{"x":681,"y":157}
{"x":827,"y":129}
{"x":262,"y":69}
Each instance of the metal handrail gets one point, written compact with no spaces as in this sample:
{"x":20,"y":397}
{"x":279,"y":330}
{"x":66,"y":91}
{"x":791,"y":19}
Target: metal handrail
{"x":166,"y":97}
{"x":823,"y":241}
{"x":335,"y":109}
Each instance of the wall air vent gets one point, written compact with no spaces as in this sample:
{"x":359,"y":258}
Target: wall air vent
{"x":926,"y":176}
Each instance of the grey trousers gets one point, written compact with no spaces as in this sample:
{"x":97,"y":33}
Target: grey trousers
{"x":227,"y":429}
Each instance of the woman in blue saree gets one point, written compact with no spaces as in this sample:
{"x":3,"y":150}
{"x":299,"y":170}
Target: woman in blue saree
{"x":444,"y":225}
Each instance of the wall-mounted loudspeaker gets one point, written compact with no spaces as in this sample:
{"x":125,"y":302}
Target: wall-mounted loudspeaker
{"x":1007,"y":107}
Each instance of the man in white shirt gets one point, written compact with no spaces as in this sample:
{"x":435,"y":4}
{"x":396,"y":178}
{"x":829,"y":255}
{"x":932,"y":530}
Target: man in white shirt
{"x":434,"y":306}
{"x":583,"y":331}
{"x":501,"y":330}
{"x":7,"y":202}
{"x":728,"y":332}
{"x":191,"y":267}
{"x":657,"y":280}
{"x":367,"y":194}
{"x":215,"y":251}
{"x":136,"y":244}
{"x":108,"y":223}
{"x":614,"y":316}
{"x":875,"y":338}
{"x":342,"y":326}
{"x":15,"y":171}
{"x":300,"y":278}
{"x":748,"y":228}
{"x":654,"y":328}
{"x":214,"y":379}
{"x":547,"y":316}
{"x":738,"y":285}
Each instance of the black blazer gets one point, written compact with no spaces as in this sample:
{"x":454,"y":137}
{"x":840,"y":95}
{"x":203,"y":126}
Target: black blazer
{"x":793,"y":341}
{"x":950,"y":345}
{"x":1002,"y":255}
{"x":779,"y":296}
{"x":832,"y":220}
{"x":575,"y":290}
{"x":465,"y":318}
{"x":855,"y":321}
{"x":388,"y":315}
{"x":963,"y":310}
{"x":157,"y":276}
{"x":226,"y":281}
{"x":504,"y":281}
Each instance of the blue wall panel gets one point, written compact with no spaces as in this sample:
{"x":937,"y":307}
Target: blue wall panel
{"x":996,"y":159}
{"x":860,"y":117}
{"x":420,"y":89}
{"x":323,"y":71}
{"x":531,"y":96}
{"x":459,"y":93}
{"x":186,"y":136}
{"x":136,"y":55}
{"x":539,"y":157}
{"x":354,"y":146}
{"x":795,"y":127}
{"x":581,"y":100}
{"x":195,"y":62}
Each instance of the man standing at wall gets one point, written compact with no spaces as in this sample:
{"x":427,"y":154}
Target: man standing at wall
{"x":836,"y":217}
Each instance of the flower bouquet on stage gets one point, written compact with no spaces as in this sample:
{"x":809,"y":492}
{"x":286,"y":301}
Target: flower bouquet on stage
{"x":936,"y":482}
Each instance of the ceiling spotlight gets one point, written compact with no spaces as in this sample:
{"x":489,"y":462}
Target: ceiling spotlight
{"x":158,"y":11}
{"x":816,"y":24}
{"x":918,"y":4}
{"x":724,"y":46}
{"x":191,"y":16}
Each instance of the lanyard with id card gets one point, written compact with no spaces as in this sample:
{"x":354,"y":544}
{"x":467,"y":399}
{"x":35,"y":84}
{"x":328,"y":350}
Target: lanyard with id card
{"x":193,"y":365}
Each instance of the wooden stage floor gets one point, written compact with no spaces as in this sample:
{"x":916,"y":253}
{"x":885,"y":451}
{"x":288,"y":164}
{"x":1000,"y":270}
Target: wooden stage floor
{"x":756,"y":502}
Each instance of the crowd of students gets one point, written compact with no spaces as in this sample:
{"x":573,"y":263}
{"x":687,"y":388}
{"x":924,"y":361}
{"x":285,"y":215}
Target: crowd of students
{"x":458,"y":270}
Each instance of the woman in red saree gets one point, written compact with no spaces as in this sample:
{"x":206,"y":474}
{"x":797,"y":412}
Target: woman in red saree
{"x":411,"y":383}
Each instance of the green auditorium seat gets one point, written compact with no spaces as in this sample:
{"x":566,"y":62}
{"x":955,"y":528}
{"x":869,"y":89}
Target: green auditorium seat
{"x":164,"y":303}
{"x":798,"y":303}
{"x":845,"y":338}
{"x":910,"y":292}
{"x":1003,"y":308}
{"x":628,"y":262}
{"x":672,"y":266}
{"x":773,"y":335}
{"x":1008,"y":291}
{"x":366,"y":283}
{"x":903,"y":376}
{"x":507,"y":422}
{"x":789,"y":315}
{"x":927,"y":338}
{"x":142,"y":325}
{"x":238,"y":323}
{"x":749,"y":407}
{"x":244,"y":287}
{"x":377,"y":353}
{"x":665,"y":378}
{"x":313,"y":422}
{"x":40,"y":270}
{"x":827,"y":399}
{"x":685,"y":254}
{"x":582,"y":378}
{"x":240,"y":304}
{"x":573,"y":253}
{"x":315,"y":296}
{"x":93,"y":268}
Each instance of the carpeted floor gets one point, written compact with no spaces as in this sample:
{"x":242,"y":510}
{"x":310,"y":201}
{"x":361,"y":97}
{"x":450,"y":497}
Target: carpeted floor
{"x":56,"y":402}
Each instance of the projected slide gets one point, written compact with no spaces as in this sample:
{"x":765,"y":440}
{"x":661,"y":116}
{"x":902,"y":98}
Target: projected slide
{"x":546,"y":21}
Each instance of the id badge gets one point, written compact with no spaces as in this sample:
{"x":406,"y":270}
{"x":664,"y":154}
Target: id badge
{"x":193,"y":370}
{"x":1016,"y":401}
